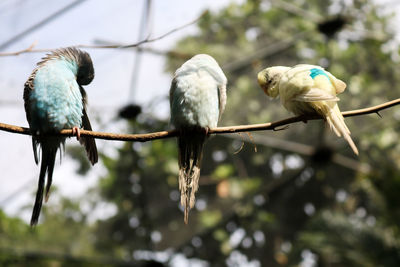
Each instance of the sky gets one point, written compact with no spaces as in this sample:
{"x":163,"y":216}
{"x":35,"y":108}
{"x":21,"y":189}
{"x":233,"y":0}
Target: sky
{"x":116,"y":21}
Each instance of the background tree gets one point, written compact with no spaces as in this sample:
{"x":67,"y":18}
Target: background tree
{"x":302,"y":198}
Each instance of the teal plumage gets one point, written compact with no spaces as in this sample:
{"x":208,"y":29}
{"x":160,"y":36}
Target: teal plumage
{"x":314,"y":72}
{"x":55,"y":100}
{"x":197,"y":100}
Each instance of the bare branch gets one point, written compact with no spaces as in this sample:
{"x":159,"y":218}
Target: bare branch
{"x":374,"y":109}
{"x":26,"y":50}
{"x":166,"y":34}
{"x":218,"y":130}
{"x":119,"y":46}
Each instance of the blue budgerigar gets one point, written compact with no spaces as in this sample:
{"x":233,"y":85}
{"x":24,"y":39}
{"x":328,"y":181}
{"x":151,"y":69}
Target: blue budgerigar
{"x":306,"y":89}
{"x":55,"y":100}
{"x":197,"y":100}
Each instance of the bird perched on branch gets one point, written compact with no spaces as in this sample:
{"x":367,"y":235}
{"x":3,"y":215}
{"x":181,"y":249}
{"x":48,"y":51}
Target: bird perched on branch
{"x":197,"y":100}
{"x":308,"y":89}
{"x":55,"y":100}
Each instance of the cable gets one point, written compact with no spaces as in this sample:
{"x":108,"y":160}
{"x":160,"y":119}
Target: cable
{"x":18,"y":191}
{"x":40,"y":24}
{"x":145,"y":29}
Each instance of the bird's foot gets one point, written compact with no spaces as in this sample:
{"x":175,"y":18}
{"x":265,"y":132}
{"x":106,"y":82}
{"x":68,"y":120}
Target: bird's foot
{"x":77,"y":132}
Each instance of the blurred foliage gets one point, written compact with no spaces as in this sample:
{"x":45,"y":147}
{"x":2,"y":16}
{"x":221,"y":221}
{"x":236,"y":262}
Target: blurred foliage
{"x":280,"y":206}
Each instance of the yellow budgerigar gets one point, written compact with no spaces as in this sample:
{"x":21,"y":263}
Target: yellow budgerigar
{"x":307,"y":89}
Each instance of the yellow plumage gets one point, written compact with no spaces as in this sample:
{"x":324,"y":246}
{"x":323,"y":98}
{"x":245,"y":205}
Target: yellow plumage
{"x":306,"y":89}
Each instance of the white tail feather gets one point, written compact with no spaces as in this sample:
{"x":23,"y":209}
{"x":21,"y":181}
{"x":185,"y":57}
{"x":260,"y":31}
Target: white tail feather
{"x":190,"y":154}
{"x":188,"y":187}
{"x":332,"y":127}
{"x":337,"y":124}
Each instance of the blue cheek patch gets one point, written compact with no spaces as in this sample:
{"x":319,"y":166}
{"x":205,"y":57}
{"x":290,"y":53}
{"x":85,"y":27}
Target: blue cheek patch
{"x":315,"y":72}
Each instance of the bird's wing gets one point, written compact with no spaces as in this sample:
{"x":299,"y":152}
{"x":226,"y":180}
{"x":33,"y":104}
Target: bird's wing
{"x":173,"y":98}
{"x":298,"y":77}
{"x":221,"y":98}
{"x":315,"y":94}
{"x":172,"y":91}
{"x":28,"y":88}
{"x":88,"y":142}
{"x":339,"y":85}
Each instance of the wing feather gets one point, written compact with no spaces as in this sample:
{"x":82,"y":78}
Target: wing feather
{"x":315,"y":94}
{"x":28,"y":88}
{"x":221,"y":99}
{"x":88,"y":142}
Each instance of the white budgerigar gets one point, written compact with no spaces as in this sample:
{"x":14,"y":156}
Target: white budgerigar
{"x":197,"y":100}
{"x":307,"y":89}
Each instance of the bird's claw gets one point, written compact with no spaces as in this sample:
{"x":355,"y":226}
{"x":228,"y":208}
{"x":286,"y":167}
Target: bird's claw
{"x":77,"y":132}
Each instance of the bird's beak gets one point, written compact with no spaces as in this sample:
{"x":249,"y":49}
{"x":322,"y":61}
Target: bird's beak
{"x":268,"y":88}
{"x":262,"y":81}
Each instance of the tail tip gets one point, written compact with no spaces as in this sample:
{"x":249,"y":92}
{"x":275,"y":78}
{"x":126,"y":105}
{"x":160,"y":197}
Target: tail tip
{"x":186,"y":216}
{"x":34,"y":222}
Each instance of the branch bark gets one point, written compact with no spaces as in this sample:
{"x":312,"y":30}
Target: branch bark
{"x":219,"y":130}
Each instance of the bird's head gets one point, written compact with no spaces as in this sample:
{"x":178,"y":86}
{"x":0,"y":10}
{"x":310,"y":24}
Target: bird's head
{"x":85,"y":68}
{"x":203,"y":62}
{"x":80,"y":62}
{"x":268,"y":79}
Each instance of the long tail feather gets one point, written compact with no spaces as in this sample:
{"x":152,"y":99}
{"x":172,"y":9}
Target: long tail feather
{"x":50,"y":168}
{"x":39,"y":195}
{"x":34,"y":146}
{"x":49,"y":151}
{"x":190,"y":146}
{"x":337,"y":124}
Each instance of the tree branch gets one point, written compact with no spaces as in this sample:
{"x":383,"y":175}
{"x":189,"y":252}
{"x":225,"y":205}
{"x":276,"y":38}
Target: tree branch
{"x":219,"y":130}
{"x":135,"y":45}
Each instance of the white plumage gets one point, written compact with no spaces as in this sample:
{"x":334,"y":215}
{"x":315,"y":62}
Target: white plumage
{"x":197,"y":100}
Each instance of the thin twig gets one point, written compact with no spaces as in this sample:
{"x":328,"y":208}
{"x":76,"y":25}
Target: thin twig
{"x":241,"y":147}
{"x":265,"y":51}
{"x":294,"y":9}
{"x":26,"y":50}
{"x":219,"y":130}
{"x":166,"y":34}
{"x":151,"y":50}
{"x":135,"y":45}
{"x":303,"y":149}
